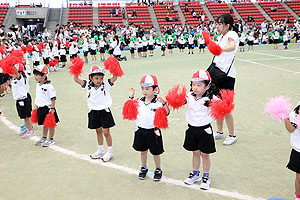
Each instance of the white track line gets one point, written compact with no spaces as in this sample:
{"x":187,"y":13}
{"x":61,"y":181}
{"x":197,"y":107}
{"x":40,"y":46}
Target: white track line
{"x":277,"y":56}
{"x":269,"y":66}
{"x":130,"y":170}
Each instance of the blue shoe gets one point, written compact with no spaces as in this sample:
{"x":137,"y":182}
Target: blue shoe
{"x":23,"y":128}
{"x":86,"y":62}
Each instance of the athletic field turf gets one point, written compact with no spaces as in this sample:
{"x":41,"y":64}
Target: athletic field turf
{"x":253,"y":168}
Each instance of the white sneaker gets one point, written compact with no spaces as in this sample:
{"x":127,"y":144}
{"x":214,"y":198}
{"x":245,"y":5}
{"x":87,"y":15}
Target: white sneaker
{"x":97,"y":155}
{"x":205,"y":183}
{"x":230,"y":140}
{"x":219,"y":135}
{"x":22,"y":132}
{"x":39,"y":143}
{"x":192,"y":179}
{"x":107,"y":156}
{"x":28,"y":134}
{"x":48,"y":143}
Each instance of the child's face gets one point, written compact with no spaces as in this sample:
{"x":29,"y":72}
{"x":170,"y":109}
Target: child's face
{"x":147,"y":91}
{"x":97,"y":80}
{"x":16,"y":74}
{"x":39,"y":78}
{"x":199,"y":87}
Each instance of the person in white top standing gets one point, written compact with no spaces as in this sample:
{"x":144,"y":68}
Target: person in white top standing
{"x":229,"y":42}
{"x":294,"y":164}
{"x":100,"y":117}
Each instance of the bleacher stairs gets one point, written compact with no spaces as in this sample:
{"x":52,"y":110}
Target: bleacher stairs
{"x":154,"y":20}
{"x":263,"y":12}
{"x":65,"y":15}
{"x":53,"y":19}
{"x":181,"y":15}
{"x":95,"y":16}
{"x":290,"y":10}
{"x":207,"y":12}
{"x":9,"y":18}
{"x":236,"y":13}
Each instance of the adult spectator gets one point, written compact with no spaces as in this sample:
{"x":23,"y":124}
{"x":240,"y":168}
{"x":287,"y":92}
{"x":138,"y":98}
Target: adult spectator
{"x":186,"y":8}
{"x":264,"y":27}
{"x":134,"y":13}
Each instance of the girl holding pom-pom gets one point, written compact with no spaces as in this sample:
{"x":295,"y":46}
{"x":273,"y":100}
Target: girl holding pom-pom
{"x":100,"y":116}
{"x":45,"y":103}
{"x":228,"y":42}
{"x":199,"y":135}
{"x":292,"y":125}
{"x":148,"y":136}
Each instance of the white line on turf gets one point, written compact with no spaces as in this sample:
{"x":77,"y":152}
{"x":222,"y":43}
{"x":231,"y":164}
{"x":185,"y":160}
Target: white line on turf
{"x":266,"y":54}
{"x":269,"y":66}
{"x":128,"y":170}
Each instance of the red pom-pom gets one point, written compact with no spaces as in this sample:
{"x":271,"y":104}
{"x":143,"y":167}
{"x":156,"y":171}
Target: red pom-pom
{"x":40,"y":47}
{"x":130,"y":109}
{"x":2,"y":50}
{"x":76,"y":67}
{"x":175,"y":97}
{"x":223,"y":106}
{"x":160,"y":118}
{"x":206,"y":37}
{"x":29,"y":48}
{"x":74,"y":39}
{"x":23,"y":48}
{"x":67,"y":44}
{"x":113,"y":66}
{"x":50,"y":121}
{"x":214,"y":48}
{"x":58,"y":41}
{"x":34,"y":118}
{"x":7,"y":64}
{"x":53,"y":62}
{"x":18,"y":53}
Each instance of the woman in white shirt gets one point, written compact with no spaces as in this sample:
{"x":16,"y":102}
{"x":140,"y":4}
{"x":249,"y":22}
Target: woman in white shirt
{"x":115,"y":46}
{"x":229,"y":42}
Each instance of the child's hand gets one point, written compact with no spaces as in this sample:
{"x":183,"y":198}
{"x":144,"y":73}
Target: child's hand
{"x":161,"y":100}
{"x":52,"y":111}
{"x":131,"y":92}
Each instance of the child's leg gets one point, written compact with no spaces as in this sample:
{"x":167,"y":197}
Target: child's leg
{"x":51,"y":133}
{"x":196,"y":160}
{"x":297,"y":185}
{"x":144,"y":158}
{"x":157,"y":161}
{"x":28,"y":123}
{"x":206,"y":162}
{"x":45,"y":131}
{"x":107,"y":136}
{"x":99,"y":136}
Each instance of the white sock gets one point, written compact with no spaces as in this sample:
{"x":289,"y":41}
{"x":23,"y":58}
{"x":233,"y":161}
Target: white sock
{"x":101,"y":148}
{"x":109,"y":149}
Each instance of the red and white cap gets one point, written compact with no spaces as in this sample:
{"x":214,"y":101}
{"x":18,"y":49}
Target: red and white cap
{"x":43,"y":69}
{"x":201,"y":75}
{"x":149,"y":80}
{"x":19,"y":67}
{"x":96,"y":70}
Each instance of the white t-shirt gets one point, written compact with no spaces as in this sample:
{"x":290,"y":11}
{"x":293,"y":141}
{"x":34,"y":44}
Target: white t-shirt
{"x":191,"y":40}
{"x":181,"y":41}
{"x":35,"y":54}
{"x":116,"y":48}
{"x":98,"y":98}
{"x":201,"y":40}
{"x":145,"y":118}
{"x":20,"y":88}
{"x":170,"y":40}
{"x":285,"y":38}
{"x":85,"y":46}
{"x":197,"y":114}
{"x":101,"y":44}
{"x":44,"y":94}
{"x":295,"y":136}
{"x":93,"y":46}
{"x":224,"y":60}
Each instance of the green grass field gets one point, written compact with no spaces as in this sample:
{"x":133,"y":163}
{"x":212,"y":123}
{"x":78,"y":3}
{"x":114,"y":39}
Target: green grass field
{"x":254,"y":166}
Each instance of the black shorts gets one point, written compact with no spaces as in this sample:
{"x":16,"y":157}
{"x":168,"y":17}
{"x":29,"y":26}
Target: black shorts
{"x":199,"y":138}
{"x":180,"y":46}
{"x":140,"y":49}
{"x":56,"y":57}
{"x":241,"y":44}
{"x":227,"y":84}
{"x":276,"y":41}
{"x":63,"y":58}
{"x":191,"y":46}
{"x":250,"y":42}
{"x":100,"y":118}
{"x":85,"y":53}
{"x":93,"y":52}
{"x":102,"y":50}
{"x":163,"y":48}
{"x":144,"y":48}
{"x":73,"y":56}
{"x":111,"y":51}
{"x":150,"y":47}
{"x":170,"y":46}
{"x":24,"y":107}
{"x":46,"y":61}
{"x":294,"y":163}
{"x":131,"y":50}
{"x":285,"y":43}
{"x":145,"y":139}
{"x":36,"y":63}
{"x":42,"y":113}
{"x":201,"y":46}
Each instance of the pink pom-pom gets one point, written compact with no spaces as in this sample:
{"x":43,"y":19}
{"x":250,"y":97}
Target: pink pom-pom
{"x":223,"y":106}
{"x":130,"y":109}
{"x":113,"y":66}
{"x":206,"y":37}
{"x":7,"y":64}
{"x":175,"y":97}
{"x":214,"y":48}
{"x":34,"y":118}
{"x":29,"y":48}
{"x":50,"y":121}
{"x":76,"y":67}
{"x":2,"y":50}
{"x":279,"y":108}
{"x":160,"y":118}
{"x":53,"y":62}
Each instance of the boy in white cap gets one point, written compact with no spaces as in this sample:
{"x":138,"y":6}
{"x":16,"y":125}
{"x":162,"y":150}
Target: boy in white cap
{"x":45,"y":102}
{"x":100,"y":116}
{"x":147,"y":136}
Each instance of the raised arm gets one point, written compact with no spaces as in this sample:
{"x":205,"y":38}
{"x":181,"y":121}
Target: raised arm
{"x":113,"y":79}
{"x":289,"y":127}
{"x":79,"y":81}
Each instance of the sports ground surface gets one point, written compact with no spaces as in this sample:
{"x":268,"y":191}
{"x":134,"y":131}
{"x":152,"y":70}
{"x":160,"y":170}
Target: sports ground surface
{"x":253,"y":168}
